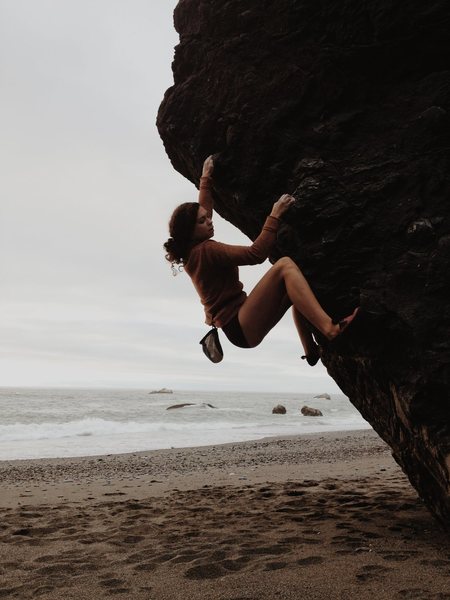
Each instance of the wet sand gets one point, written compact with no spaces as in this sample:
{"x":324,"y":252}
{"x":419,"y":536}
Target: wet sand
{"x":317,"y":516}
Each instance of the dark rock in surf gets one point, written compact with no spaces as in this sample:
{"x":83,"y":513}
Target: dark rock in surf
{"x":308,"y":411}
{"x":180,"y":405}
{"x":279,"y":409}
{"x":202,"y":405}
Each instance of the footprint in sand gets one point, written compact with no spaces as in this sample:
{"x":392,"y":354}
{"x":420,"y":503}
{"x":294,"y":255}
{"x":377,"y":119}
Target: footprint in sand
{"x":212,"y":570}
{"x":112,"y":582}
{"x":57,"y":569}
{"x":435,"y":563}
{"x":205,"y":571}
{"x":398,"y":556}
{"x":114,"y":585}
{"x":47,"y":558}
{"x":415,"y":594}
{"x":371,"y":572}
{"x":274,"y":566}
{"x":22,"y":532}
{"x":261,"y":550}
{"x":44,"y":589}
{"x":146,"y":567}
{"x":310,"y":560}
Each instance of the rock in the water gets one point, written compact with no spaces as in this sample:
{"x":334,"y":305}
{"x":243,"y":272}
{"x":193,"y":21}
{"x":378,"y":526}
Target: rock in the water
{"x":180,"y":405}
{"x":202,"y":405}
{"x":279,"y":409}
{"x":324,"y":396}
{"x":308,"y":411}
{"x":345,"y":105}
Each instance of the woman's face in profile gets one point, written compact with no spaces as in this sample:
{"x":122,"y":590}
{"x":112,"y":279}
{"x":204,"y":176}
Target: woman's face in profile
{"x":204,"y":228}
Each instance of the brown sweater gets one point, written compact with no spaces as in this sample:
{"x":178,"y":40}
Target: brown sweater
{"x":213,"y":266}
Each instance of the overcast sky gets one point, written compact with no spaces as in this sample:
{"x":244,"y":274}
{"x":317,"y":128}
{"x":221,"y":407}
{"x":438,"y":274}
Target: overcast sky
{"x":87,"y":298}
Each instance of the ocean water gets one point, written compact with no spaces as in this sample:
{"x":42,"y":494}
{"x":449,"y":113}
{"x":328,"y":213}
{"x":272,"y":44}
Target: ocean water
{"x":45,"y":423}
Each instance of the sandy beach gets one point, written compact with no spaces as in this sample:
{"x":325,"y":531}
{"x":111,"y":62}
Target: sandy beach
{"x":318,"y":516}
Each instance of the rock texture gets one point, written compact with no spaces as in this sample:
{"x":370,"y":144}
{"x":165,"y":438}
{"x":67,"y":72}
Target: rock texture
{"x":345,"y":105}
{"x":308,"y":411}
{"x":279,"y":409}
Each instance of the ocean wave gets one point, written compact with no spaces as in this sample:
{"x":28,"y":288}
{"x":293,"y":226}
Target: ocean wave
{"x":98,"y":427}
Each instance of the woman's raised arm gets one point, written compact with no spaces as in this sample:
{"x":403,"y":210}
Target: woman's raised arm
{"x":205,"y":198}
{"x":225,"y":254}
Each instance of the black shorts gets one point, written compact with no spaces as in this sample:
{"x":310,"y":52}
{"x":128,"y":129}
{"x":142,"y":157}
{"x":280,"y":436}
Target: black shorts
{"x":234,"y":333}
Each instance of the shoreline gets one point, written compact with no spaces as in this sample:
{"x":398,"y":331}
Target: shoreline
{"x":199,"y":447}
{"x":317,"y":516}
{"x":136,"y":452}
{"x":157,"y":472}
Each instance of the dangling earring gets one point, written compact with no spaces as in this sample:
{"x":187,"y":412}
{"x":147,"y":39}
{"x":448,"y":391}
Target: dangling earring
{"x":177,"y":268}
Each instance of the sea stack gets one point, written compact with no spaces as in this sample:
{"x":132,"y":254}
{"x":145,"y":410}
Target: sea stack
{"x":345,"y":106}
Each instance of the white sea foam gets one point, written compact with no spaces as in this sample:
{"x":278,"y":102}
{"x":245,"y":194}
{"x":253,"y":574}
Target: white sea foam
{"x":97,"y":427}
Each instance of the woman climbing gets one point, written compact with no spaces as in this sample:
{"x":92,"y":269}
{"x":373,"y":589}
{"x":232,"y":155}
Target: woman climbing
{"x":213,"y":268}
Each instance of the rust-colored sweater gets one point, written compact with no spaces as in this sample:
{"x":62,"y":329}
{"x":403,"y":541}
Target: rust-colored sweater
{"x":213,"y":266}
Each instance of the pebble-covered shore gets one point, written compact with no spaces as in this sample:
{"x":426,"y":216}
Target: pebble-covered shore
{"x":308,"y":449}
{"x":319,"y":516}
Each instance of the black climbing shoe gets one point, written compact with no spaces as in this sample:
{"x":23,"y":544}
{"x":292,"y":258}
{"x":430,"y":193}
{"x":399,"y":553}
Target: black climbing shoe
{"x":313,"y":357}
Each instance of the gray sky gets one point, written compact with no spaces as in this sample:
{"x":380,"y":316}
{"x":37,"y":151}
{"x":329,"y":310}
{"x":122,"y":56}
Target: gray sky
{"x":87,"y":298}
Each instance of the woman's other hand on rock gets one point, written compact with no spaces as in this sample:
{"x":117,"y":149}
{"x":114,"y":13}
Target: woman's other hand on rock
{"x":282,"y":205}
{"x":208,"y":167}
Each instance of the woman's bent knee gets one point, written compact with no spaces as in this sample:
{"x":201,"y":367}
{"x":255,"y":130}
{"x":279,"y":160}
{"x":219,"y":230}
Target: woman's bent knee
{"x":285,"y":263}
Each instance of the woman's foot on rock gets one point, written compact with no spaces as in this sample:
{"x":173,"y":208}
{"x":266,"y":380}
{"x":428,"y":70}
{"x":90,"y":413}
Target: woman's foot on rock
{"x":343,"y":324}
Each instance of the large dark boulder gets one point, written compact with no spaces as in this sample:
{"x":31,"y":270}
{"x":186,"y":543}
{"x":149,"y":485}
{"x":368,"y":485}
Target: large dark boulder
{"x":344,"y":104}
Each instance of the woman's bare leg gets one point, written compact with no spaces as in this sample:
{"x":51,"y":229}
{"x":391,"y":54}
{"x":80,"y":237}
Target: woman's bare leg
{"x":266,"y":303}
{"x":256,"y":329}
{"x":309,"y":345}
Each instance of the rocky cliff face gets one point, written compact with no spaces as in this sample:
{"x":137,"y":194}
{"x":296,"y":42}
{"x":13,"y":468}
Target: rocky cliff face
{"x":345,"y":105}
